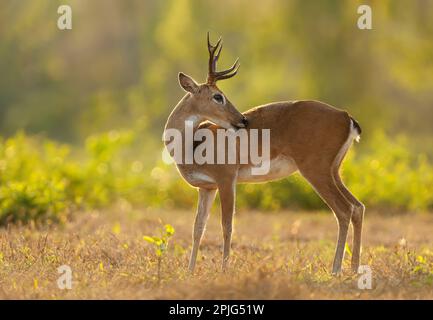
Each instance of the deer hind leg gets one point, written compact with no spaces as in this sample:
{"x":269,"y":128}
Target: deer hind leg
{"x":205,"y":200}
{"x":227,"y":197}
{"x":358,"y":208}
{"x":357,"y":219}
{"x":324,"y":184}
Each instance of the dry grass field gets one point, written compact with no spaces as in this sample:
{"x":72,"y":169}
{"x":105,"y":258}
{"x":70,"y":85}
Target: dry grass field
{"x":285,"y":255}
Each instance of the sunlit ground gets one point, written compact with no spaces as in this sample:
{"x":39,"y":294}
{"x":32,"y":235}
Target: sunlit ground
{"x":286,"y":255}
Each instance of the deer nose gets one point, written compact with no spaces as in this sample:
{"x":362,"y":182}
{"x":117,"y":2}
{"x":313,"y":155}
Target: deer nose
{"x":244,"y":121}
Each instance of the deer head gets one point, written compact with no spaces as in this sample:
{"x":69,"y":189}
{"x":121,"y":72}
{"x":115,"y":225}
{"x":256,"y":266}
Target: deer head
{"x":207,"y":101}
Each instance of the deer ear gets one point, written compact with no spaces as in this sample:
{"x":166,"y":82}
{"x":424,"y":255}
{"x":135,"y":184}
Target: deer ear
{"x":187,"y":83}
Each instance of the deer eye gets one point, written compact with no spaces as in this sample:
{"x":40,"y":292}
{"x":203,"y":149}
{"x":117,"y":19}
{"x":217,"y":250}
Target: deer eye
{"x":218,"y":98}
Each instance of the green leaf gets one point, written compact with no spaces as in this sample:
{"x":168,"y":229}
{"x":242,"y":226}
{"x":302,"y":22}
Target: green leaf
{"x":169,"y":230}
{"x":149,"y":239}
{"x":421,"y":259}
{"x":348,"y":249}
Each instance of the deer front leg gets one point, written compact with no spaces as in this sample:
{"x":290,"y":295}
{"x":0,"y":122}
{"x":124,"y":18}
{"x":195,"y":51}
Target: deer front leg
{"x":227,"y":197}
{"x":205,"y":200}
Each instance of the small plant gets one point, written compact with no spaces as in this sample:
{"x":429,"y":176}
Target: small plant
{"x":161,"y":244}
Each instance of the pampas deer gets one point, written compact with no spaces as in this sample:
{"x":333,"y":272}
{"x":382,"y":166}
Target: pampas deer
{"x":306,"y":136}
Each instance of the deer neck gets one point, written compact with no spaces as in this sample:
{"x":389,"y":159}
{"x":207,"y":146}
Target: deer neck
{"x":182,"y":114}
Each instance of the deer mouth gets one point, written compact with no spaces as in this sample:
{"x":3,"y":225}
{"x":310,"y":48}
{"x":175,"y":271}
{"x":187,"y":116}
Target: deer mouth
{"x":242,"y":124}
{"x":238,"y":126}
{"x":230,"y":125}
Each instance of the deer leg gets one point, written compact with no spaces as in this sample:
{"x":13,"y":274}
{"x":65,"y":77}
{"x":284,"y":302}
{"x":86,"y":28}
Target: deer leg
{"x":227,"y":197}
{"x":205,"y":200}
{"x":357,"y":219}
{"x":327,"y":189}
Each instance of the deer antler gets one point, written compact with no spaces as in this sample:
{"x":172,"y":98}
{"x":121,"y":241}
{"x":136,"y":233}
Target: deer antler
{"x":213,"y":75}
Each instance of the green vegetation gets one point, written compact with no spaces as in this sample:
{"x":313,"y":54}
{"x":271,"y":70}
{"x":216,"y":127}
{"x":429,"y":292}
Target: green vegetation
{"x":116,"y":72}
{"x":45,"y":181}
{"x":160,"y":245}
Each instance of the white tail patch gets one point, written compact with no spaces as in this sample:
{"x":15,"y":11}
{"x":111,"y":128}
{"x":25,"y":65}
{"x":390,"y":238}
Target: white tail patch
{"x":354,"y":134}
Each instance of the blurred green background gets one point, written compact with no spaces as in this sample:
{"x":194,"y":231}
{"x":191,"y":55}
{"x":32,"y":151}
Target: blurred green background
{"x":82,"y":111}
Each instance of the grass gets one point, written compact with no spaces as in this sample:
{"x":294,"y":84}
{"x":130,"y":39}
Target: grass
{"x":284,"y":255}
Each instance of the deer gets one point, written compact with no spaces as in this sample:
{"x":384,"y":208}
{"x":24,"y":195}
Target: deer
{"x":307,"y":136}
